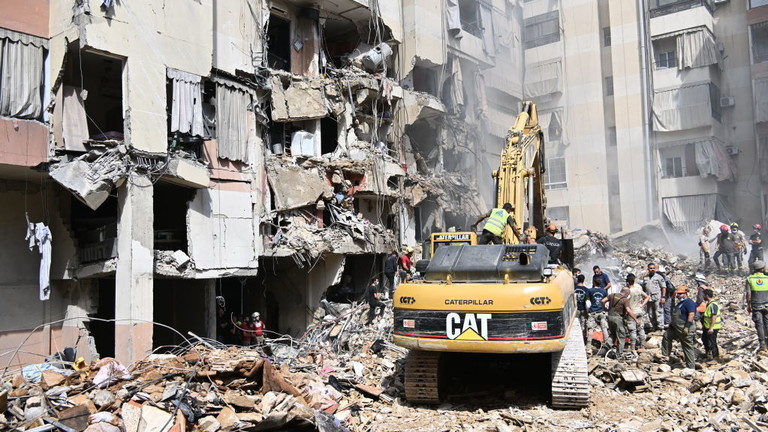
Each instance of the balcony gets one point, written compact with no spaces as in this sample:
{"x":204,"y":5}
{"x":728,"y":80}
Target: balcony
{"x":666,"y":7}
{"x":673,"y":17}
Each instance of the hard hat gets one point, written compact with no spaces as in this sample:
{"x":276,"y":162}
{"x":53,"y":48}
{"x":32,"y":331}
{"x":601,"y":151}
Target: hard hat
{"x":682,"y":289}
{"x":408,"y":249}
{"x":551,"y":228}
{"x":758,"y":265}
{"x":220,"y":302}
{"x":662,"y":269}
{"x":255,"y":315}
{"x":734,"y":225}
{"x":707,"y":229}
{"x":699,"y":277}
{"x":757,"y":227}
{"x":723,"y":227}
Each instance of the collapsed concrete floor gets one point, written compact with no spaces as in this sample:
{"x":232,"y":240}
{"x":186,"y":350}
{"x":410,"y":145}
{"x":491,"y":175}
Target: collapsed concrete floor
{"x":343,"y":376}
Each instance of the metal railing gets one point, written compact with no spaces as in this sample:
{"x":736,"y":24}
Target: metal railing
{"x":666,"y":7}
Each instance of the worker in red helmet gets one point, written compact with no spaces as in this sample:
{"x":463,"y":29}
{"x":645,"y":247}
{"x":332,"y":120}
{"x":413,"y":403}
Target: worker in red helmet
{"x":726,"y":248}
{"x":756,"y":241}
{"x":554,"y":244}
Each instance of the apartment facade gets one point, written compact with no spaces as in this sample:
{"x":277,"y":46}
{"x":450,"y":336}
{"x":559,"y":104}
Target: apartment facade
{"x":270,"y":152}
{"x":660,"y":113}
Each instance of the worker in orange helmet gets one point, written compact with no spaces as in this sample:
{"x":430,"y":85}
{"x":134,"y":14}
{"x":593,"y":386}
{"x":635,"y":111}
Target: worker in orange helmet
{"x":554,"y":244}
{"x":682,"y":328}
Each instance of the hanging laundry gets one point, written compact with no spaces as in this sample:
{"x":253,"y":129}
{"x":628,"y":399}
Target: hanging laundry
{"x":39,"y":235}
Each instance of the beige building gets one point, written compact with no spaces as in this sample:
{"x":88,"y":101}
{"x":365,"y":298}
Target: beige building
{"x":653,"y":115}
{"x":268,"y":152}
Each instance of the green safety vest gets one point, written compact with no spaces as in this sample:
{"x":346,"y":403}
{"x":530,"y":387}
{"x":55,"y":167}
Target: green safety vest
{"x":758,"y":284}
{"x":497,"y":221}
{"x":708,"y":316}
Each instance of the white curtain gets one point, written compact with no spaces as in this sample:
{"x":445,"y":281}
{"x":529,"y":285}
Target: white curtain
{"x":187,"y":104}
{"x":74,"y":121}
{"x":21,"y":75}
{"x":761,"y":100}
{"x":231,"y":122}
{"x":713,"y":160}
{"x":456,"y":83}
{"x":543,"y":79}
{"x":489,"y":38}
{"x":454,"y":16}
{"x":689,"y":212}
{"x":682,"y":108}
{"x":696,"y":49}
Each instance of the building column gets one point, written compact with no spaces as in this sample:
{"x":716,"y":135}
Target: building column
{"x":209,"y":311}
{"x":135,"y":267}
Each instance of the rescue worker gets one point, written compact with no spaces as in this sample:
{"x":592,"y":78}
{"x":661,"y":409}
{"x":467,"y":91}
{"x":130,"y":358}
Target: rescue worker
{"x":246,"y":331}
{"x":669,"y":296}
{"x":637,"y":301}
{"x":655,"y":286}
{"x":757,"y":246}
{"x":701,"y":302}
{"x":553,"y":244}
{"x":602,"y":279}
{"x":711,"y":325}
{"x":596,"y":318}
{"x":682,"y":328}
{"x":390,"y":269}
{"x":258,"y":327}
{"x":741,"y":247}
{"x":726,"y":247}
{"x":498,"y":219}
{"x":619,"y":310}
{"x":222,"y":321}
{"x":405,"y":264}
{"x":581,"y":292}
{"x":704,"y":241}
{"x":373,"y":297}
{"x":757,"y":303}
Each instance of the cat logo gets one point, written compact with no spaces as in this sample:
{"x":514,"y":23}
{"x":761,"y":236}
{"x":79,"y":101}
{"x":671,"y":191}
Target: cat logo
{"x":407,"y":300}
{"x":473,"y":327}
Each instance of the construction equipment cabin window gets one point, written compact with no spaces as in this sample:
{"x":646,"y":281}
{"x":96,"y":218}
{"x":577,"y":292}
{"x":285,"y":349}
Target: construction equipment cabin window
{"x":21,"y":75}
{"x":759,"y":42}
{"x":556,"y":175}
{"x":542,"y":29}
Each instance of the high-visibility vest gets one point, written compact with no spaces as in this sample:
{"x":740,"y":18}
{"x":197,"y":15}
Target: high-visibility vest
{"x":718,"y":323}
{"x":497,"y":221}
{"x":758,"y":284}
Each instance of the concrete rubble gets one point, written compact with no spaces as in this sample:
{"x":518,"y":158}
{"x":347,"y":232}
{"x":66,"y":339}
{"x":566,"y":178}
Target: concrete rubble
{"x":344,"y":376}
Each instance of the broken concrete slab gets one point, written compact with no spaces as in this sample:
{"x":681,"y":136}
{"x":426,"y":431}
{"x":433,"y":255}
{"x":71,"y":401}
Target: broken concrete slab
{"x":306,"y":186}
{"x":75,"y":176}
{"x":301,"y":100}
{"x":186,"y":172}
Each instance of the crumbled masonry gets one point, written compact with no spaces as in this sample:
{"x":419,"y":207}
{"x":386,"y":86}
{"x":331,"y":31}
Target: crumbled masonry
{"x":343,"y":376}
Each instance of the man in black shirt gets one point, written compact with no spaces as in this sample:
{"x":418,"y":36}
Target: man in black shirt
{"x":390,"y":268}
{"x":552,"y":243}
{"x":372,"y":296}
{"x":756,"y":241}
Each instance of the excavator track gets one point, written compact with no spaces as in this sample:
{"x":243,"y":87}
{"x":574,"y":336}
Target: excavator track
{"x":570,"y":377}
{"x":422,"y":373}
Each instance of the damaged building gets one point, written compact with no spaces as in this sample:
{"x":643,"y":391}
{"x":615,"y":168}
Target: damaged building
{"x":270,"y":152}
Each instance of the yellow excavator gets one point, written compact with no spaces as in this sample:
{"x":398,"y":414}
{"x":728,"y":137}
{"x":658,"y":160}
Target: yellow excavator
{"x":496,"y":299}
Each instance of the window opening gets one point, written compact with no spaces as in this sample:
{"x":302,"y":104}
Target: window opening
{"x":279,"y":43}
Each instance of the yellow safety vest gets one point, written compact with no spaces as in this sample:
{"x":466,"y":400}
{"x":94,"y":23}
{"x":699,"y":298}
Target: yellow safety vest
{"x":758,"y":282}
{"x":708,"y":316}
{"x":497,"y":221}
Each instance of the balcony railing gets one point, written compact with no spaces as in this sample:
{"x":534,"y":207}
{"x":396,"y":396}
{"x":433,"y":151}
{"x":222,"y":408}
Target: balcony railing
{"x":665,"y":7}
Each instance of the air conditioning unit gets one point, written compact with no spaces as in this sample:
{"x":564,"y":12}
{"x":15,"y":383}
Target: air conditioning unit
{"x":732,"y":150}
{"x":727,"y":101}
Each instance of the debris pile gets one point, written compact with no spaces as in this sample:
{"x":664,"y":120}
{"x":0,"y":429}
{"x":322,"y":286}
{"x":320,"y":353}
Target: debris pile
{"x":328,"y":381}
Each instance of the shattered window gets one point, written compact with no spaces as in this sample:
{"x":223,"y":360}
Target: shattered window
{"x":759,"y":42}
{"x":542,"y":29}
{"x":556,"y":174}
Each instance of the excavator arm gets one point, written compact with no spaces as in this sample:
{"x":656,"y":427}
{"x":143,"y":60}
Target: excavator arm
{"x":519,"y":177}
